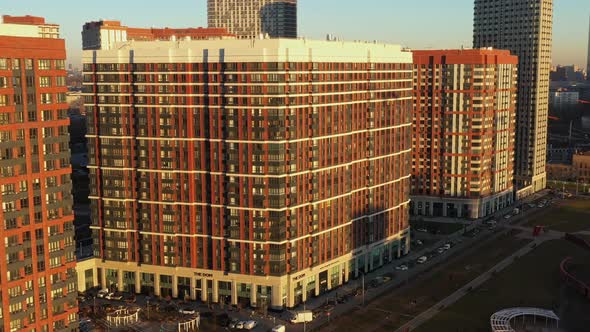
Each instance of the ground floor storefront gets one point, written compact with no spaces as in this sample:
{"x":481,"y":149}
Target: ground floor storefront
{"x":435,"y":206}
{"x":257,"y":291}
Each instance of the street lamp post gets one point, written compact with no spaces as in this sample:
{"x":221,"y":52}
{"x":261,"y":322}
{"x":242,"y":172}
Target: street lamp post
{"x":363,"y":289}
{"x":304,"y":319}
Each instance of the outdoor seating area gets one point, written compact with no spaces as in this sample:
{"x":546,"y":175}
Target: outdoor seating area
{"x":123,"y":317}
{"x":508,"y":320}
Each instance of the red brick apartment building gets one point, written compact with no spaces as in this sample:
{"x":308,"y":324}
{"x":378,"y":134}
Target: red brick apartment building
{"x":256,"y":171}
{"x":104,"y":34}
{"x":38,"y":279}
{"x":463,"y":137}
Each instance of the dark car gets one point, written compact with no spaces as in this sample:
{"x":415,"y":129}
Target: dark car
{"x":222,"y":320}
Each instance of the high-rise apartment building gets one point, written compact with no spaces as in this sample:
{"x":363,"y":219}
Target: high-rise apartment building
{"x":246,"y":171}
{"x":253,"y":18}
{"x":463,"y":132}
{"x":38,"y":276}
{"x":588,"y":58}
{"x":102,"y":35}
{"x":525,"y":28}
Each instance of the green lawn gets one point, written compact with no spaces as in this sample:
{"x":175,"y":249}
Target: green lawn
{"x":532,"y":280}
{"x":392,"y":310}
{"x":565,"y":216}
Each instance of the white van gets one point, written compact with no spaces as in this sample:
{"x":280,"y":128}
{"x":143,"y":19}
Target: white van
{"x":422,"y":260}
{"x":302,"y":316}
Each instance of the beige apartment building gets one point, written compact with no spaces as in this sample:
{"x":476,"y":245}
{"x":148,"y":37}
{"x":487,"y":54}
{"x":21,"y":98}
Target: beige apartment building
{"x":260,"y":172}
{"x":525,"y":28}
{"x":249,"y":19}
{"x":463,"y":132}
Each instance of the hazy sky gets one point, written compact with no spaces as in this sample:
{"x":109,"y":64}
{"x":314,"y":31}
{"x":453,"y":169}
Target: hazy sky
{"x":414,"y":23}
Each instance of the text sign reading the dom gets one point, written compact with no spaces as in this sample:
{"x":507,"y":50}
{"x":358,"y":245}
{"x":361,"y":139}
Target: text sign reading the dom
{"x":204,"y":275}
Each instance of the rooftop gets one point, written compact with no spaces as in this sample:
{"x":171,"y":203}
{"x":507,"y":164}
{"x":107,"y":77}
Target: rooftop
{"x":256,"y":50}
{"x":24,"y":20}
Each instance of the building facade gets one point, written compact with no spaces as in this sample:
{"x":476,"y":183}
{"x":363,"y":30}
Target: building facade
{"x":254,"y":172}
{"x":102,"y":35}
{"x":581,"y":165}
{"x":250,"y":19}
{"x":525,"y":28}
{"x":588,"y":58}
{"x":463,"y":132}
{"x":563,"y":99}
{"x":28,"y":26}
{"x":38,"y":282}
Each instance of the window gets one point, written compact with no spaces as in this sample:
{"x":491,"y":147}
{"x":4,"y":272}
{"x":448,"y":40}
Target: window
{"x":15,"y":64}
{"x":3,"y":100}
{"x":60,"y":81}
{"x":44,"y":64}
{"x":46,"y":98}
{"x":60,"y":64}
{"x":45,"y":81}
{"x":3,"y":82}
{"x":29,"y":64}
{"x":61,"y":97}
{"x":3,"y":64}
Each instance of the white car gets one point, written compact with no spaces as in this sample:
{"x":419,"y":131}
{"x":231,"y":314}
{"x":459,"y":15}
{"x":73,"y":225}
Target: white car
{"x":187,"y":311}
{"x":102,"y":293}
{"x":507,"y":216}
{"x":402,"y":267}
{"x":423,"y":230}
{"x":279,"y":328}
{"x":447,"y":246}
{"x":422,"y":260}
{"x":114,"y":296}
{"x":419,"y":242}
{"x":240,"y":325}
{"x":440,"y":250}
{"x":250,"y":324}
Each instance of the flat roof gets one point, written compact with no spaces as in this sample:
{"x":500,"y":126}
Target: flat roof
{"x":245,"y":50}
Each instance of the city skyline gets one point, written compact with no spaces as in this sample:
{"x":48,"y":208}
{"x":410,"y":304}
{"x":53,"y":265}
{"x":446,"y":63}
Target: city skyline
{"x":570,"y":22}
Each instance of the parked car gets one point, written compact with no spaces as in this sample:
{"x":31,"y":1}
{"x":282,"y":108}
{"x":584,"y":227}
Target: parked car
{"x":114,"y":296}
{"x":233,"y":323}
{"x":422,"y":260}
{"x":240,"y":325}
{"x":447,"y":246}
{"x":222,"y":319}
{"x":508,"y":216}
{"x":423,"y":230}
{"x":402,"y":267}
{"x":187,"y":311}
{"x":279,"y":328}
{"x":250,"y":324}
{"x":440,"y":250}
{"x":419,"y":242}
{"x":102,"y":293}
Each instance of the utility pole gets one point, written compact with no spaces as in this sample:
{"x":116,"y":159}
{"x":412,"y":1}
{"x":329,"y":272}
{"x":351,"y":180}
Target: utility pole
{"x":363,"y":276}
{"x":304,"y":319}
